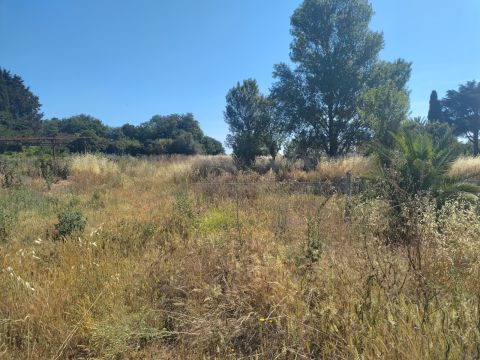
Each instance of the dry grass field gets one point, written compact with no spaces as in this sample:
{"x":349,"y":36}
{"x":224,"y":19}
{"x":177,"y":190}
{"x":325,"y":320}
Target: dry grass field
{"x":189,"y":258}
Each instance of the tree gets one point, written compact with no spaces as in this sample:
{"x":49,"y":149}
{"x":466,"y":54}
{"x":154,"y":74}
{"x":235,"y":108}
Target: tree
{"x":80,"y":124}
{"x":19,"y":107}
{"x":385,"y":103}
{"x":384,"y":109}
{"x":245,"y":116}
{"x":212,"y":146}
{"x":335,"y":54}
{"x":462,"y":110}
{"x":435,"y":110}
{"x":273,"y":132}
{"x":184,"y":144}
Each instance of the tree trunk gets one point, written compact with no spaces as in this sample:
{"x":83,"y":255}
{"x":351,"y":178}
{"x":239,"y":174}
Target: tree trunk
{"x":475,"y":142}
{"x":332,"y":136}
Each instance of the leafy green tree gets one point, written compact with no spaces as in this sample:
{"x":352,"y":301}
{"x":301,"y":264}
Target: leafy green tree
{"x":184,"y":144}
{"x":384,"y":109}
{"x":435,"y":109}
{"x":81,"y":124}
{"x":124,"y":145}
{"x":51,"y":127}
{"x":245,"y":116}
{"x":397,"y":73}
{"x":158,"y":146}
{"x":130,"y":131}
{"x":212,"y":146}
{"x":169,"y":127}
{"x":19,"y":107}
{"x":273,"y":128}
{"x":335,"y":54}
{"x":443,"y":136}
{"x":92,"y":143}
{"x":462,"y":110}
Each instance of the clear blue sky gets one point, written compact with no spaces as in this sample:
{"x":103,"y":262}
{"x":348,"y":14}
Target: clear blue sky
{"x":126,"y":60}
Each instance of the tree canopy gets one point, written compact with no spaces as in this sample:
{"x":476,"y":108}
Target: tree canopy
{"x":435,"y":108}
{"x":245,"y":116}
{"x":462,"y":110}
{"x":19,"y":107}
{"x":336,"y":55}
{"x":172,"y":134}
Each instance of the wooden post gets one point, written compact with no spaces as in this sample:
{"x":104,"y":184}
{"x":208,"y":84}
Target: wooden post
{"x":348,"y":205}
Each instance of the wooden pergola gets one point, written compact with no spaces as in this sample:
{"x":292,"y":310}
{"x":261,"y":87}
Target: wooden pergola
{"x":54,"y":141}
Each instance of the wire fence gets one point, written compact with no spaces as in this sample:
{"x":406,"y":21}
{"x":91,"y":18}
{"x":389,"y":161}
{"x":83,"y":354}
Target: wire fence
{"x":346,"y":185}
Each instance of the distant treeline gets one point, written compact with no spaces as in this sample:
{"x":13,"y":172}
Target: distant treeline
{"x":172,"y":134}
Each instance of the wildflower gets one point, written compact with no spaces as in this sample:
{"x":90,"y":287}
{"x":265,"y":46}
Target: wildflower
{"x":261,"y":319}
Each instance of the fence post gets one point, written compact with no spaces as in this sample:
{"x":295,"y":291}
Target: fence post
{"x":237,"y":201}
{"x":348,"y":205}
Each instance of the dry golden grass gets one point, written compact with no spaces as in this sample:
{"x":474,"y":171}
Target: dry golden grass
{"x":465,"y":166}
{"x":171,"y":269}
{"x":336,"y":168}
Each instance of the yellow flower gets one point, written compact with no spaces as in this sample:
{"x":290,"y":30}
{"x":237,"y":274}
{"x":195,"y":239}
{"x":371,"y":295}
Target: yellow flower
{"x":261,"y":319}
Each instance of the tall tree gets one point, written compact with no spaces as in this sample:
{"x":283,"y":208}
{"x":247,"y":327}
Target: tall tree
{"x":435,"y":109}
{"x":212,"y":146}
{"x":244,"y":114}
{"x":19,"y":107}
{"x":384,"y":109}
{"x":462,"y":109}
{"x":385,"y":105}
{"x":335,"y":53}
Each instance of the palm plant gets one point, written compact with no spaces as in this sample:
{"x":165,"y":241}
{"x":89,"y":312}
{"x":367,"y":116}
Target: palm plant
{"x":419,"y":166}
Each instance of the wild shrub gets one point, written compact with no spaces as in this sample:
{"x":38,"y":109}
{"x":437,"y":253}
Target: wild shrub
{"x":96,"y":199}
{"x":313,"y":248}
{"x":62,"y":168}
{"x":70,"y":221}
{"x":418,"y":166}
{"x":212,"y":166}
{"x":11,"y":177}
{"x":6,"y":224}
{"x":216,"y":220}
{"x":120,"y":336}
{"x":47,"y":171}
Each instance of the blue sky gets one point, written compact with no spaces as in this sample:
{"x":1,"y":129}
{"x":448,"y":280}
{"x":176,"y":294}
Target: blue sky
{"x":126,"y":60}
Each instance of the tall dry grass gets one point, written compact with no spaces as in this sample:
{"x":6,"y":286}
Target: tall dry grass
{"x":465,"y":166}
{"x":174,"y":269}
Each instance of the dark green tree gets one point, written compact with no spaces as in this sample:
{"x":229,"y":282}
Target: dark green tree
{"x":384,"y":109}
{"x":273,"y":128}
{"x":462,"y":110}
{"x":245,"y":116}
{"x":212,"y":146}
{"x":130,"y":131}
{"x":184,"y":144}
{"x":435,"y":109}
{"x":335,"y":54}
{"x":79,"y":124}
{"x":51,"y":127}
{"x":19,"y":107}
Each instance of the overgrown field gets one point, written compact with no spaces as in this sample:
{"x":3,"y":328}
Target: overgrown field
{"x":189,"y":258}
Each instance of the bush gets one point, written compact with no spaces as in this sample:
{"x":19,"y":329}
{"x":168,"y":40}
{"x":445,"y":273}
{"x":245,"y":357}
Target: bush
{"x":207,"y":166}
{"x":70,"y":221}
{"x":10,"y":175}
{"x":6,"y":222}
{"x":47,"y":171}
